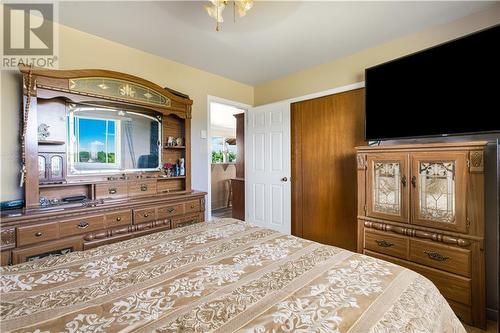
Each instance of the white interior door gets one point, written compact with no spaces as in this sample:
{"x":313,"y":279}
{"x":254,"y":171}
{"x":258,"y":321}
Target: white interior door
{"x":267,"y":166}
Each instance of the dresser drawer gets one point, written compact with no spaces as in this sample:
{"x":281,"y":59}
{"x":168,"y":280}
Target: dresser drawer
{"x":142,"y":188}
{"x":37,"y":233}
{"x":165,"y":212}
{"x":186,"y":220}
{"x":115,"y":190}
{"x":144,"y":215}
{"x":447,"y":258}
{"x":81,"y":225}
{"x":51,"y":249}
{"x":192,"y":206}
{"x":118,"y":218}
{"x":453,"y":287}
{"x":390,"y":244}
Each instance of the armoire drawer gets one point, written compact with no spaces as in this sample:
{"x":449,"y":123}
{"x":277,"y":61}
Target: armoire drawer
{"x":111,"y":190}
{"x":118,"y":218}
{"x":386,"y":243}
{"x":144,"y":215}
{"x":452,"y":259}
{"x":168,"y":211}
{"x":37,"y":233}
{"x":81,"y":225}
{"x":192,"y":206}
{"x":453,"y":287}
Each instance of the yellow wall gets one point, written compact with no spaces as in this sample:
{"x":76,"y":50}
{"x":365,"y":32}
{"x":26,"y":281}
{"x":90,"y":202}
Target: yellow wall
{"x":350,"y":69}
{"x":81,"y":50}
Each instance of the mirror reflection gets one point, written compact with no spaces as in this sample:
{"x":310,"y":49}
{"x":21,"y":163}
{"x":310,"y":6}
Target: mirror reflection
{"x":103,"y":139}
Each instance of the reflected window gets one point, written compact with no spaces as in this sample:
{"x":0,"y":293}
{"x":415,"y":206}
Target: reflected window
{"x":96,"y":140}
{"x":112,"y":140}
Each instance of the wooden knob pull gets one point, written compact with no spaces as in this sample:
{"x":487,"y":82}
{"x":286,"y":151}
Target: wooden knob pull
{"x":146,"y":215}
{"x":118,"y":219}
{"x":38,"y":234}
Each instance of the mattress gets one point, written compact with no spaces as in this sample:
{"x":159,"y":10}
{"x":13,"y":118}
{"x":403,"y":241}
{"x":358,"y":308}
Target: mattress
{"x":220,"y":276}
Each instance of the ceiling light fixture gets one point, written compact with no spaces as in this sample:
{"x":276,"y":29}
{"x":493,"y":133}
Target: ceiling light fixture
{"x":216,"y":8}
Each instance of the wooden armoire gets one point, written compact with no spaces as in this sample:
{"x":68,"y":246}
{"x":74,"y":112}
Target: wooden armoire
{"x":422,"y":206}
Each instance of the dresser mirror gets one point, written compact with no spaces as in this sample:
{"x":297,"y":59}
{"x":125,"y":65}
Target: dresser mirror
{"x":106,"y":139}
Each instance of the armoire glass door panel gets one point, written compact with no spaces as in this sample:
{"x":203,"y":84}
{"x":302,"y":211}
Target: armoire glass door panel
{"x":387,"y":186}
{"x":56,"y":167}
{"x":438,"y":190}
{"x":42,"y":170}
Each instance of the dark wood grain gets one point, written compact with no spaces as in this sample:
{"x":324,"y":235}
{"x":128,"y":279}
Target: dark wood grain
{"x":324,"y":133}
{"x":240,"y":145}
{"x":238,"y":189}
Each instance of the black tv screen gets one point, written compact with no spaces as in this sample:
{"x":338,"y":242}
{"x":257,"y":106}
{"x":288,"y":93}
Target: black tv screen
{"x":450,"y":89}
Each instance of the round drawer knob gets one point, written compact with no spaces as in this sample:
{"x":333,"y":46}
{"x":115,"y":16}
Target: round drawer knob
{"x":118,"y":219}
{"x":146,"y":215}
{"x":38,"y":234}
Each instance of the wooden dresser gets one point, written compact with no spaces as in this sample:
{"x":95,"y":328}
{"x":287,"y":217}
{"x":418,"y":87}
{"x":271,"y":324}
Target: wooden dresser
{"x":422,"y":206}
{"x":34,"y":234}
{"x":106,"y":156}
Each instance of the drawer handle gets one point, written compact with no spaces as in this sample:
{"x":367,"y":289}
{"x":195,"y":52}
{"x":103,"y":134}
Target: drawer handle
{"x":384,"y":243}
{"x":82,"y":225}
{"x":414,"y":181}
{"x":112,"y":190}
{"x":118,"y":219}
{"x":192,"y":205}
{"x":171,"y":209}
{"x":38,"y":234}
{"x":436,"y":256}
{"x":144,"y":187}
{"x":403,"y":181}
{"x":146,"y":215}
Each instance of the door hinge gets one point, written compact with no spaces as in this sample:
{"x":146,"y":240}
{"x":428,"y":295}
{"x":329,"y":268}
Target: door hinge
{"x":468,"y":163}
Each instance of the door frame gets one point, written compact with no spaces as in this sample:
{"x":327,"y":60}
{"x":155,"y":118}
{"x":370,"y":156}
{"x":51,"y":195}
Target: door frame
{"x":289,"y":101}
{"x":214,"y":99}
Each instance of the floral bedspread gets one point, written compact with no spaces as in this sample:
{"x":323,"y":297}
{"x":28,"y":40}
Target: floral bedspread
{"x":221,"y":276}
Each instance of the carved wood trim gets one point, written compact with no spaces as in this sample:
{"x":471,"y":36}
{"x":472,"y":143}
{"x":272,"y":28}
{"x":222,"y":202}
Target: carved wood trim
{"x":361,"y":161}
{"x":410,"y":232}
{"x":476,"y":161}
{"x":7,"y":238}
{"x":60,"y":79}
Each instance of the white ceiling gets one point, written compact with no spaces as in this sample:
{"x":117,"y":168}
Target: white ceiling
{"x":273,"y":40}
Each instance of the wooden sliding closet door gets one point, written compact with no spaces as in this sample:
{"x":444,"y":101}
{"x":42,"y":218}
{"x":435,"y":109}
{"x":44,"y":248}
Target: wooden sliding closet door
{"x":324,"y":200}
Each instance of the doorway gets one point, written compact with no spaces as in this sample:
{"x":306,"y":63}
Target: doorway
{"x":226,"y":155}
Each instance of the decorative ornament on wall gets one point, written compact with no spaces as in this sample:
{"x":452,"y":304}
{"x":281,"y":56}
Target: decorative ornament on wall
{"x":43,"y":132}
{"x":216,"y":8}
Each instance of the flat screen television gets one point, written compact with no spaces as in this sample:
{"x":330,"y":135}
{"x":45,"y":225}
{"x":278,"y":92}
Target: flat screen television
{"x":449,"y":89}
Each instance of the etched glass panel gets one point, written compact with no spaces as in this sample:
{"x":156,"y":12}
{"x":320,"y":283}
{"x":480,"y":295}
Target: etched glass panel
{"x":118,"y":89}
{"x":41,"y":167}
{"x":437,"y":191}
{"x":56,"y":169}
{"x":387,"y":187}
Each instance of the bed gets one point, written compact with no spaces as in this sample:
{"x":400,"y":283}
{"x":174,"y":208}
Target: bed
{"x":221,"y":276}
